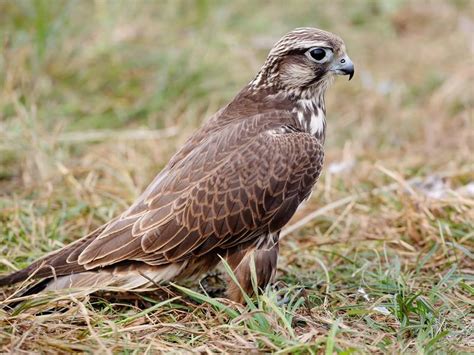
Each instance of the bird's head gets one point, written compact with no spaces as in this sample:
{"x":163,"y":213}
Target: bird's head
{"x":304,"y":62}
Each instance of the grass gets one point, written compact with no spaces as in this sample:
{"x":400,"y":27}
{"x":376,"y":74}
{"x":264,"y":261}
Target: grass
{"x":96,"y":97}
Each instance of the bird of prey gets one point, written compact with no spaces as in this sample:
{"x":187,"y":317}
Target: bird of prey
{"x":229,"y":190}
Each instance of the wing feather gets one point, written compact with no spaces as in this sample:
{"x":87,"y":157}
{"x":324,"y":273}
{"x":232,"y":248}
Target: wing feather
{"x":236,"y":185}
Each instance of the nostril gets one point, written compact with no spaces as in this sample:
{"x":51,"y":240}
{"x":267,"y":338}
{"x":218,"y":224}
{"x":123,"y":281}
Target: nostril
{"x":343,"y":61}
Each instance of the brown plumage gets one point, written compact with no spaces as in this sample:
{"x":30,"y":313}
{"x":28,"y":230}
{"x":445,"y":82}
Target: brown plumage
{"x":227,"y":192}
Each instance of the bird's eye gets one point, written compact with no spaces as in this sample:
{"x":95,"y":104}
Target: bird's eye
{"x":318,"y":55}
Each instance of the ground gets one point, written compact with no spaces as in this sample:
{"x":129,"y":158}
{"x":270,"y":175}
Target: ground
{"x":96,"y":97}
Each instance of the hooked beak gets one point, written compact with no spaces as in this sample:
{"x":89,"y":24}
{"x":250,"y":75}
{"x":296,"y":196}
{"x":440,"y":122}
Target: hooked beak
{"x":344,"y":66}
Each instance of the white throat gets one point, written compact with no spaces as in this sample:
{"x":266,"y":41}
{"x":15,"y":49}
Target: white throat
{"x":311,"y":116}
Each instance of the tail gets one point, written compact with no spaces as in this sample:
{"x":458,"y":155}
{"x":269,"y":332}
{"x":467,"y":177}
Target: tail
{"x":126,"y":276}
{"x":61,"y":270}
{"x":58,"y":263}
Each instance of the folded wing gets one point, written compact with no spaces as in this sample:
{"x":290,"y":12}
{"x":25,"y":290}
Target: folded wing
{"x":236,"y":185}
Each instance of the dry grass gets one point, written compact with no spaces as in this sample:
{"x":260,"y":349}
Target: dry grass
{"x":385,"y":266}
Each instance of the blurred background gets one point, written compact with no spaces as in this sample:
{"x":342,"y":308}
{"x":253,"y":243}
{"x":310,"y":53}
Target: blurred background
{"x":74,"y":66}
{"x":95,"y":97}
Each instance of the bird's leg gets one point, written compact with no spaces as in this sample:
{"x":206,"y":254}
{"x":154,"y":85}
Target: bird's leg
{"x":265,"y":258}
{"x":213,"y":283}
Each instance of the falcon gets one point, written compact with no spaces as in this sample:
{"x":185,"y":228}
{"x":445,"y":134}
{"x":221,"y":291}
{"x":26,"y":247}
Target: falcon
{"x":227,"y":193}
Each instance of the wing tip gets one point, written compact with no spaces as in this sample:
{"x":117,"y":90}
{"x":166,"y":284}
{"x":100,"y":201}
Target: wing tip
{"x":13,"y":278}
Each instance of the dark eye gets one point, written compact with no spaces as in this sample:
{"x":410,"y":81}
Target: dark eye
{"x":318,"y":54}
